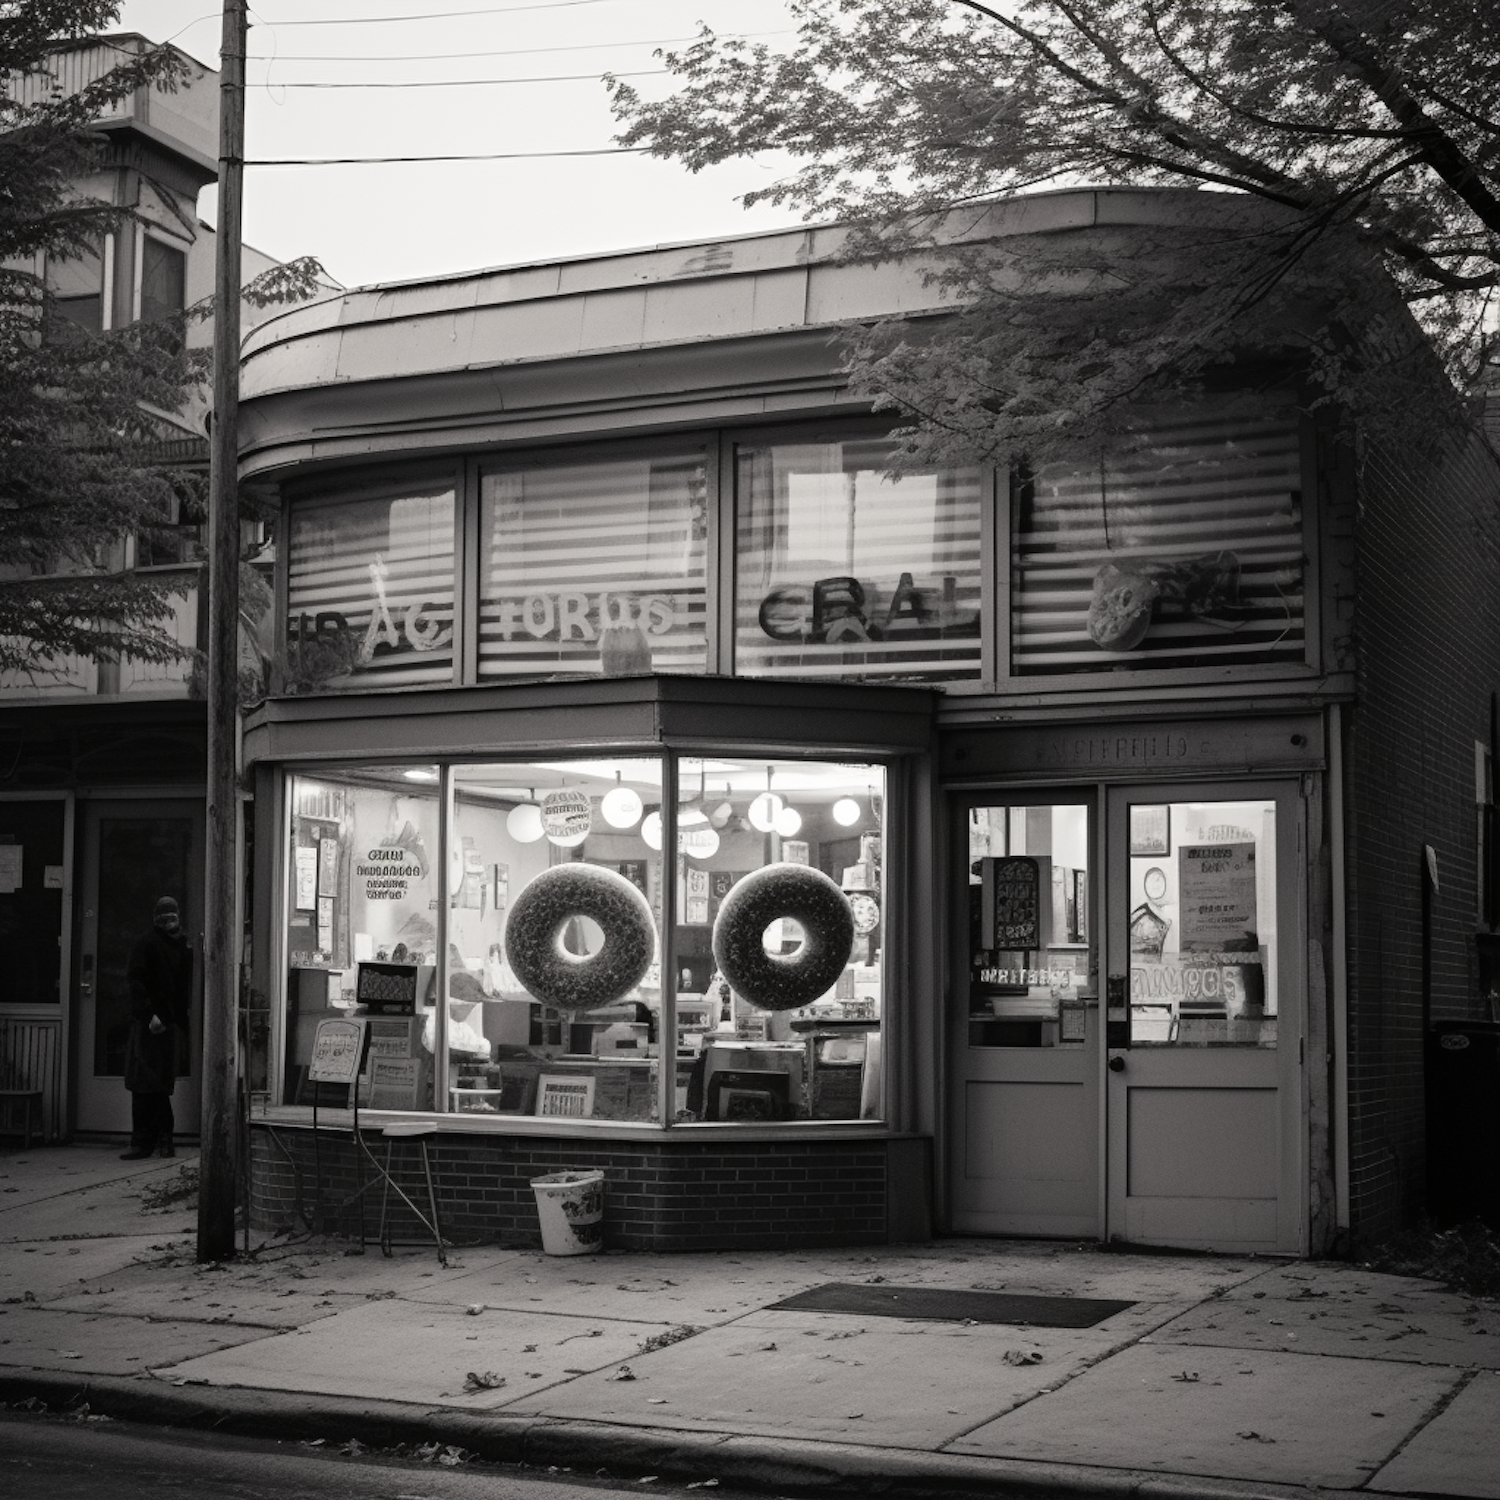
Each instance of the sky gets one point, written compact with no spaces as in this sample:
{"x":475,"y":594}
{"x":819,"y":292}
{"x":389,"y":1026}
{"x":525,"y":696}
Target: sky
{"x":378,"y":223}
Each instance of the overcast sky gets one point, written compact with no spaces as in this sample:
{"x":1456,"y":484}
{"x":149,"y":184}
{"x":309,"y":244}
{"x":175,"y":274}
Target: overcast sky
{"x":396,"y":222}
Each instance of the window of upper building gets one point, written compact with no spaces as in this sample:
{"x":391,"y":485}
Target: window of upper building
{"x":846,"y":570}
{"x":77,"y":287}
{"x":597,"y":566}
{"x":162,"y":285}
{"x":1179,"y":547}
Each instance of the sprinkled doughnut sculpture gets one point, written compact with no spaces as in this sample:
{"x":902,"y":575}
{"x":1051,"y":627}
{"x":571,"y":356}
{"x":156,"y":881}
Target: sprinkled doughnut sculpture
{"x":534,"y":931}
{"x":775,"y":981}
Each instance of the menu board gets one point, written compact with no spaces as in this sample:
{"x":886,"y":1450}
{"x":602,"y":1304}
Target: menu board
{"x":1012,"y":910}
{"x":1217,"y":898}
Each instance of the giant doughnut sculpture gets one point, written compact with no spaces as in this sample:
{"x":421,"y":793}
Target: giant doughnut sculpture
{"x":534,"y":932}
{"x":775,"y":981}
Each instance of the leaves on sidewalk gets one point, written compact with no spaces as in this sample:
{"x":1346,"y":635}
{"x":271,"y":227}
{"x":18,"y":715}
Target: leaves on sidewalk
{"x":1023,"y":1356}
{"x":487,"y":1380}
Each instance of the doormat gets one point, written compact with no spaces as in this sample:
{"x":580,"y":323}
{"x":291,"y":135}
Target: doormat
{"x":953,"y":1304}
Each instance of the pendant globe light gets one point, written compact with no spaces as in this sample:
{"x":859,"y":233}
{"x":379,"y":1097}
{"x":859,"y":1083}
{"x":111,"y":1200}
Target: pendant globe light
{"x":621,"y":805}
{"x":524,"y":823}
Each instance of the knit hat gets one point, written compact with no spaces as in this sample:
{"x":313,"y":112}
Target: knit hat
{"x":165,"y":905}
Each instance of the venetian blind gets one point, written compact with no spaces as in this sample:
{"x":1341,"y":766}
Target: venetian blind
{"x":370,"y":591}
{"x":596,"y":567}
{"x":1185,"y":551}
{"x":845,"y":571}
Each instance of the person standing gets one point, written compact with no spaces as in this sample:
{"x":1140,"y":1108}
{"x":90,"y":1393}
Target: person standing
{"x":160,"y":973}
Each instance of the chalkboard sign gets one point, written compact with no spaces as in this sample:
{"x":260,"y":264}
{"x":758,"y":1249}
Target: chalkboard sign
{"x":386,"y":989}
{"x":1012,"y":910}
{"x":338,"y":1052}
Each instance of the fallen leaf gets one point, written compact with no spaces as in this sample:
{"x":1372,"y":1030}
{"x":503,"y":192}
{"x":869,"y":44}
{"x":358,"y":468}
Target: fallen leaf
{"x":1255,"y":1437}
{"x":486,"y":1381}
{"x":1026,"y":1357}
{"x":1187,"y":1376}
{"x":623,"y":1373}
{"x":703,"y":1484}
{"x":474,"y":1309}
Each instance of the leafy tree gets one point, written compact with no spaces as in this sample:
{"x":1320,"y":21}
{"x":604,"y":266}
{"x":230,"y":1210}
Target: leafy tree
{"x":1346,"y":157}
{"x":82,"y":414}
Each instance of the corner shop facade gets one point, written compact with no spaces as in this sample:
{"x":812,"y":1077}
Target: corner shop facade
{"x":614,"y":529}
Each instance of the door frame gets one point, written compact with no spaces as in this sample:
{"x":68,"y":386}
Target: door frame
{"x":1294,"y":998}
{"x":131,"y":802}
{"x":955,"y":1005}
{"x":62,"y":1012}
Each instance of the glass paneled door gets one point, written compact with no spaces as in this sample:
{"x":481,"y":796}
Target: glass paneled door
{"x":133,"y":852}
{"x":1023,"y":1029}
{"x":1204,"y":1013}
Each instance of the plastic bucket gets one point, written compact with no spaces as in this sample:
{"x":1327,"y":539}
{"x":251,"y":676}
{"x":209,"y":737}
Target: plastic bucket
{"x":570,"y":1206}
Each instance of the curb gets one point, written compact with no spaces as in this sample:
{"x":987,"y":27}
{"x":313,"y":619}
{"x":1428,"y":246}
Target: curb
{"x":743,"y":1462}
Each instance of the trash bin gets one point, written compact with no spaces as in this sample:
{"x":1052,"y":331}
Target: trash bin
{"x":1463,"y":1122}
{"x":570,"y":1206}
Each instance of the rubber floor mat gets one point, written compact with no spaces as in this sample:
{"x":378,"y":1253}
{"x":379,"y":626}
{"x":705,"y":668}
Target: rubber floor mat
{"x":956,"y":1305}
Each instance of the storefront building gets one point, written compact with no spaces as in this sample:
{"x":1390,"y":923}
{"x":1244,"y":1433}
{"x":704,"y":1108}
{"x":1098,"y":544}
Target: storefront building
{"x":594,"y":588}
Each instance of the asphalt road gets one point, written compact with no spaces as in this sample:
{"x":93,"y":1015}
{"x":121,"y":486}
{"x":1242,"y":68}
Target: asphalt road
{"x":51,"y":1458}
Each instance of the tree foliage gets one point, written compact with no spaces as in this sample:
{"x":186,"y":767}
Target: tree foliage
{"x":83,"y":415}
{"x":1345,"y":162}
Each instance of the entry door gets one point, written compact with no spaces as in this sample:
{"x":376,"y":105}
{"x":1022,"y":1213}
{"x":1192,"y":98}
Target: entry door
{"x":133,"y":853}
{"x":1204,"y":1013}
{"x":1023,"y":1044}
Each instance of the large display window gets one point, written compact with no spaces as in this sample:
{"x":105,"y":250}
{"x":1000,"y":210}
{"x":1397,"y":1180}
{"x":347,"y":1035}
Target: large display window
{"x":1181,"y":546}
{"x":370,"y":589}
{"x":595,"y":567}
{"x":629,"y":940}
{"x":847,"y":570}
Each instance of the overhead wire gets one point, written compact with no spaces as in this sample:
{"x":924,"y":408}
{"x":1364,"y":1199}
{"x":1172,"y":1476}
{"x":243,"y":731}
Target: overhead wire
{"x":458,"y":83}
{"x":363,"y":161}
{"x":437,"y":15}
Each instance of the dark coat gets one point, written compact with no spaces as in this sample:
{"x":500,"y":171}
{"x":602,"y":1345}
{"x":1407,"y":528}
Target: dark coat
{"x":160,"y":972}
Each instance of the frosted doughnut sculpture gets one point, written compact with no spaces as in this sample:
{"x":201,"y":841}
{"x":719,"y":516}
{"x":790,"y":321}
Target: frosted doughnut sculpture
{"x":775,"y":981}
{"x":534,"y":931}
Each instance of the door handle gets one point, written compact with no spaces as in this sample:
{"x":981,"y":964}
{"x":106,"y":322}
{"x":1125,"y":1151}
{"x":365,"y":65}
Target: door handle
{"x":1117,"y":1064}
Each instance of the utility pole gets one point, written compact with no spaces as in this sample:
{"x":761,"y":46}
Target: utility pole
{"x":221,"y":944}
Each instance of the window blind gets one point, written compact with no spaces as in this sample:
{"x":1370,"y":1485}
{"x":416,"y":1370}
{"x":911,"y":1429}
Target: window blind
{"x":1185,"y":551}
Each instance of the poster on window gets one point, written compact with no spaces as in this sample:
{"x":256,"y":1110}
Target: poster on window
{"x":307,"y":877}
{"x":1217,"y":898}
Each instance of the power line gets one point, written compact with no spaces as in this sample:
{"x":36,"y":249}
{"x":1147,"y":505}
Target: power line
{"x":438,"y":15}
{"x":458,"y":83}
{"x":647,"y":41}
{"x":364,"y":161}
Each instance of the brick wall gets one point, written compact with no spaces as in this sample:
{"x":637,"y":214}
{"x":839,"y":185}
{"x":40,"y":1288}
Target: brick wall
{"x":1426,"y":623}
{"x":673,"y":1195}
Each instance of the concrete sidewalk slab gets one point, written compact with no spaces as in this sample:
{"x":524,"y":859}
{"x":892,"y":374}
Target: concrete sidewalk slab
{"x":1246,"y":1415}
{"x":97,"y":1210}
{"x":401,"y":1351}
{"x":56,"y":1269}
{"x":82,"y":1343}
{"x":884,"y":1382}
{"x":1362,"y":1315}
{"x":30,"y":1177}
{"x":144,"y":1294}
{"x":1455,"y":1453}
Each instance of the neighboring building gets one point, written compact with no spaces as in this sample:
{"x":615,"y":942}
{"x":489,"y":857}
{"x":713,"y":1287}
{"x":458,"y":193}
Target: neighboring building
{"x":102,"y":763}
{"x":1153,"y":784}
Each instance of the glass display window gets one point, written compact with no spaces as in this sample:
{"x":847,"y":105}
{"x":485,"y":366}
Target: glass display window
{"x":1203,"y":924}
{"x":596,"y":568}
{"x":845,"y":570}
{"x":554,"y":912}
{"x":362,"y":892}
{"x":551,"y":921}
{"x":1032,"y":965}
{"x":1182,"y":546}
{"x":370,"y":590}
{"x":779,"y":939}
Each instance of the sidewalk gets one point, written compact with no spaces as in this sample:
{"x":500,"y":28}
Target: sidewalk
{"x":1224,"y":1375}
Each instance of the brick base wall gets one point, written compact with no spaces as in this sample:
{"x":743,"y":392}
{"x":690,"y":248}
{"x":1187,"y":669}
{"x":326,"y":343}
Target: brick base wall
{"x":674,"y":1195}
